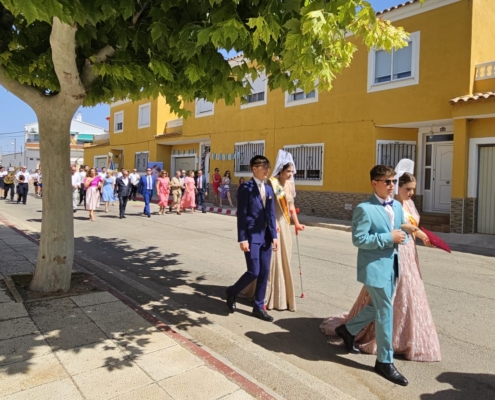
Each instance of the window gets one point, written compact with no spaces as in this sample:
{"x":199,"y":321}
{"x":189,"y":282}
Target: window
{"x":144,"y":115}
{"x":390,"y":153}
{"x":258,"y":91}
{"x":118,"y":119}
{"x":309,"y":162}
{"x":141,"y":161}
{"x":243,"y":152}
{"x":398,"y":68}
{"x":299,"y":97}
{"x":203,"y":108}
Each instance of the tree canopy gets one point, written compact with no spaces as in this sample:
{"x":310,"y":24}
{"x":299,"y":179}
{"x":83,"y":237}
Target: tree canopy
{"x":143,"y":48}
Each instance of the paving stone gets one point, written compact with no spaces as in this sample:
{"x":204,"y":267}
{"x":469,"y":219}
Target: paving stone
{"x":86,"y":358}
{"x":74,"y":336}
{"x":17,"y":327}
{"x":22,"y":348}
{"x":103,"y":383}
{"x":186,"y":386}
{"x":50,"y":306}
{"x":48,"y":321}
{"x":12,"y":310}
{"x":62,"y":389}
{"x":151,"y":392}
{"x":144,"y":342}
{"x":17,"y":267}
{"x":94,"y":298}
{"x":165,"y":363}
{"x":238,"y":395}
{"x":4,"y":297}
{"x":30,"y":373}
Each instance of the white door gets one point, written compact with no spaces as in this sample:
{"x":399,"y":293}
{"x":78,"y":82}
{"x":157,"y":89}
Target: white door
{"x":185,"y":163}
{"x":442,"y":176}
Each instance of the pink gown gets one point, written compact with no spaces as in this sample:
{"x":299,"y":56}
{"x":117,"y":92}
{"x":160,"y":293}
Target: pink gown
{"x":163,"y":191}
{"x":189,"y":197}
{"x":415,"y":336}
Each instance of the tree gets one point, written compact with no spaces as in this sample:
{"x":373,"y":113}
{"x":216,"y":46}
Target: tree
{"x":57,"y":55}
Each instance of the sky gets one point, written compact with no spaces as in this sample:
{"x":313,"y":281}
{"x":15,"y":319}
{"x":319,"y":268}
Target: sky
{"x":14,"y":113}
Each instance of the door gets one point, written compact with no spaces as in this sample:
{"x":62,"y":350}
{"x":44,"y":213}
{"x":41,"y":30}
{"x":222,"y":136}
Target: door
{"x":442,"y":176}
{"x":486,"y":190}
{"x":141,"y":161}
{"x":101,"y":162}
{"x":185,"y":163}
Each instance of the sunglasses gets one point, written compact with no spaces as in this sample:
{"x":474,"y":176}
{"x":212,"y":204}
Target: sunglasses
{"x":388,"y":182}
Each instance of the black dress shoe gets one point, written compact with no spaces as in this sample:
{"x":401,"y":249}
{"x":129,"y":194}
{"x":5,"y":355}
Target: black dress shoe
{"x":230,"y":301}
{"x":120,"y":217}
{"x":149,"y":215}
{"x":262,"y":314}
{"x":389,"y":372}
{"x":123,"y":216}
{"x":348,"y":339}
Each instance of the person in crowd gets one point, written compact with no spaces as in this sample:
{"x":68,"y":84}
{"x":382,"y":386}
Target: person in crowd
{"x":134,"y":177}
{"x":145,"y":188}
{"x":188,"y":199}
{"x":76,"y":185}
{"x":241,"y":182}
{"x":377,"y":233}
{"x":120,"y":173}
{"x":183,"y":180}
{"x":225,"y":189}
{"x":216,"y":182}
{"x":414,"y":333}
{"x":163,"y":190}
{"x":22,"y":188}
{"x":3,"y":174}
{"x":108,"y":190}
{"x":82,"y":191}
{"x":35,"y":177}
{"x":156,"y":171}
{"x":123,"y":187}
{"x":176,"y":188}
{"x":201,"y":190}
{"x":40,"y":184}
{"x":92,"y":184}
{"x":103,"y":174}
{"x":257,"y":236}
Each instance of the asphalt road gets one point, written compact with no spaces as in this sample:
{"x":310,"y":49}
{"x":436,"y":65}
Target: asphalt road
{"x":178,"y":268}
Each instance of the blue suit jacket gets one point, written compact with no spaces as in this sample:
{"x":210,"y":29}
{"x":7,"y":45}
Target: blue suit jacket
{"x":204,"y":184}
{"x":252,"y":218}
{"x":372,"y":235}
{"x":142,"y":184}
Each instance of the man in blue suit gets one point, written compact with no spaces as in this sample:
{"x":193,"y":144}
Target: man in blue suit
{"x":257,"y":235}
{"x":376,"y":232}
{"x":145,"y":188}
{"x":201,"y":190}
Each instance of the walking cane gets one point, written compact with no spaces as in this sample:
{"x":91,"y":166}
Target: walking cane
{"x":299,"y":257}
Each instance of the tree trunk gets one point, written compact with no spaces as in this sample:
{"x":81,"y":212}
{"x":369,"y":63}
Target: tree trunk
{"x":56,"y":250}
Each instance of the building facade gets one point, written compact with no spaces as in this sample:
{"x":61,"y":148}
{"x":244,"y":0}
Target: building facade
{"x":433,"y":102}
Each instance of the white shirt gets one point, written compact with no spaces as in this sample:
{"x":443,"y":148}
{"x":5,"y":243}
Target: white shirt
{"x":26,"y":176}
{"x":102,"y":175}
{"x":200,"y":182}
{"x":388,"y":209}
{"x":126,"y":181}
{"x":149,"y":182}
{"x":119,"y":175}
{"x":82,"y":175}
{"x":261,"y":187}
{"x":3,"y":173}
{"x":36,"y":176}
{"x":134,"y":177}
{"x":76,"y":179}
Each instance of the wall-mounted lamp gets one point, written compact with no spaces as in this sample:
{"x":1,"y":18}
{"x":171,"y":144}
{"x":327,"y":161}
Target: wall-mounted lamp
{"x":443,"y":129}
{"x":431,"y":133}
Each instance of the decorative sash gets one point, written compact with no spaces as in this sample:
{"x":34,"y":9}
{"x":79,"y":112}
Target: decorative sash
{"x":279,"y":192}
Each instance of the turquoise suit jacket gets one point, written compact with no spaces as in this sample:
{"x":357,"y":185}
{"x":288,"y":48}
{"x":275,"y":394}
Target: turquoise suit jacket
{"x":372,"y":235}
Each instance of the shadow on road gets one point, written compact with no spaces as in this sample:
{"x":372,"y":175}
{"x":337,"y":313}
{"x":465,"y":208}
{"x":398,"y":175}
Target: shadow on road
{"x":464,"y":386}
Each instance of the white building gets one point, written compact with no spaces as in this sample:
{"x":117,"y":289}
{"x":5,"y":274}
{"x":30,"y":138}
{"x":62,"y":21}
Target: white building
{"x":80,"y":132}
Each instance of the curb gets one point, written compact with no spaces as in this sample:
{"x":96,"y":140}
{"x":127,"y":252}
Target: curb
{"x":210,"y":360}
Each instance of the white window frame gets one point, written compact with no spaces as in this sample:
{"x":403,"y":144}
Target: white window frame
{"x":140,"y":124}
{"x":101,"y":156}
{"x":473,"y":163}
{"x":310,"y":182}
{"x":206,"y":113}
{"x":248,"y":173}
{"x":415,"y":39}
{"x":115,"y":130}
{"x":306,"y":100}
{"x":141,"y":152}
{"x":265,"y":88}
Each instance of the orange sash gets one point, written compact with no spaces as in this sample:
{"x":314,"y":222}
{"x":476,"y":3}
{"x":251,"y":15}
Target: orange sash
{"x":278,"y":190}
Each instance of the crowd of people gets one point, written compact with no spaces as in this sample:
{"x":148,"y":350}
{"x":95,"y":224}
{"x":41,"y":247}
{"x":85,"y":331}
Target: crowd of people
{"x":391,"y":314}
{"x":14,"y":182}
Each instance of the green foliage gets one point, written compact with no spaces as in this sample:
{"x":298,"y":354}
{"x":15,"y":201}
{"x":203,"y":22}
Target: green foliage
{"x":171,"y":48}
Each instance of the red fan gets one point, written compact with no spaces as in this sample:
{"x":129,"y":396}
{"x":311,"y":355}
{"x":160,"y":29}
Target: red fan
{"x":436,"y":241}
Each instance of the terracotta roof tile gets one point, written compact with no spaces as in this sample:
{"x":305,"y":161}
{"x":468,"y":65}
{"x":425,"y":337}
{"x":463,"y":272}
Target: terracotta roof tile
{"x":472,"y":97}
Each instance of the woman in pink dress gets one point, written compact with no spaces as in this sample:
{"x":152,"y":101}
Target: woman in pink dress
{"x":163,"y":190}
{"x":92,"y":183}
{"x":189,"y":196}
{"x":415,"y":336}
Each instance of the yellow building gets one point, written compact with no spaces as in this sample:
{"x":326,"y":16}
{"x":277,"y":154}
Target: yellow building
{"x":433,"y":101}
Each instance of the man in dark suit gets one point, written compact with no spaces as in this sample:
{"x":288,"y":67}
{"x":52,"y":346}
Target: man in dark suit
{"x":201,"y":190}
{"x":257,"y":235}
{"x":145,"y":188}
{"x":123,"y":187}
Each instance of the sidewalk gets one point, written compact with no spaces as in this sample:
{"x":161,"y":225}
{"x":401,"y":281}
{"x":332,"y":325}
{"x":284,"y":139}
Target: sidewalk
{"x":99,"y":346}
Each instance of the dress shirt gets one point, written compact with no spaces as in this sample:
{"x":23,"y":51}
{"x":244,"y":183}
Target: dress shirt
{"x":126,"y":181}
{"x":200,"y":182}
{"x":26,"y":176}
{"x":3,"y":173}
{"x":134,"y":177}
{"x":82,"y":175}
{"x":388,"y":209}
{"x":149,"y":182}
{"x":261,"y":187}
{"x":76,"y":179}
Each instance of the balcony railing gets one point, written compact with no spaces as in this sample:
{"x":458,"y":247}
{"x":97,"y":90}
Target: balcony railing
{"x":485,"y":71}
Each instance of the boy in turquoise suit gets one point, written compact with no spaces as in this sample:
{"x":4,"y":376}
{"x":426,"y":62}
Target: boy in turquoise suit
{"x":376,"y":232}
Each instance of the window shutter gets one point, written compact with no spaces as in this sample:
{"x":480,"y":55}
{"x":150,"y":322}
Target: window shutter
{"x":383,"y":66}
{"x":402,"y":61}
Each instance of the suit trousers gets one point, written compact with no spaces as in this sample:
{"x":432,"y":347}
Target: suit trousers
{"x":381,"y":311}
{"x":7,"y":188}
{"x":147,"y":195}
{"x":200,"y":199}
{"x":258,"y":267}
{"x":22,"y":191}
{"x":133,"y":192}
{"x":122,"y":204}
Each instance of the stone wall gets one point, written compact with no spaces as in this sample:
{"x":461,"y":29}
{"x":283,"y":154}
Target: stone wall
{"x":463,"y":215}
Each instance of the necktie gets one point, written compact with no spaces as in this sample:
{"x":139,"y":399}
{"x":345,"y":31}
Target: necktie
{"x":388,"y":203}
{"x":262,"y":192}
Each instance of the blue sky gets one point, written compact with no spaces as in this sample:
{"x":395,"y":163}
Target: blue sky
{"x":14,"y":113}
